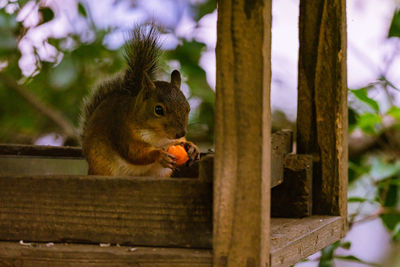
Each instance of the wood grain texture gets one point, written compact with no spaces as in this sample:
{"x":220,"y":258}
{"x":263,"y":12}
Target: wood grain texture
{"x":32,"y":165}
{"x":48,"y":151}
{"x":206,"y":168}
{"x":242,"y":135}
{"x":293,"y":198}
{"x":126,"y":210}
{"x":281,"y":145}
{"x":322,"y":101}
{"x":67,"y":255}
{"x":291,"y":240}
{"x":295,"y":239}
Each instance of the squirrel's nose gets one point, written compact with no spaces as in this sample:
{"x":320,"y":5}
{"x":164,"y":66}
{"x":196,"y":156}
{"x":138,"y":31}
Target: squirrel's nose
{"x":180,"y":134}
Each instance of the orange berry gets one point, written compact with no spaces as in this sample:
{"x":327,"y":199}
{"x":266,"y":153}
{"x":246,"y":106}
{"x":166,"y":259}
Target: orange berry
{"x":179,"y":153}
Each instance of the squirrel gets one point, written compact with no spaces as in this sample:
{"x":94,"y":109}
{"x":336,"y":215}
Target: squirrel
{"x":128,"y":122}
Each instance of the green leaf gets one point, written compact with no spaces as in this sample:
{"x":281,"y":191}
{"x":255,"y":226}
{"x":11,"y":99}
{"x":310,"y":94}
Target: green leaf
{"x":362,"y":95}
{"x":369,"y":123}
{"x":390,"y":220}
{"x":394,"y":30}
{"x":47,"y":14}
{"x":354,"y":258}
{"x":395,"y":182}
{"x":353,"y":118}
{"x":346,"y":245}
{"x":327,"y":253}
{"x":357,"y":169}
{"x":392,"y":196}
{"x":326,"y":263}
{"x":82,"y":10}
{"x":204,"y":8}
{"x":394,"y":112}
{"x":396,"y":233}
{"x":357,"y":199}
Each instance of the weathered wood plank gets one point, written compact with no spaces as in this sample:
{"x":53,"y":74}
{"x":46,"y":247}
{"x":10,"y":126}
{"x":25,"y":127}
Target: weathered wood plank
{"x":66,"y":255}
{"x":125,"y":210}
{"x":32,"y":165}
{"x":206,"y":168}
{"x":293,"y":198}
{"x":291,"y":240}
{"x":47,"y":151}
{"x":242,"y":134}
{"x":281,"y":144}
{"x":295,"y":239}
{"x":322,"y":101}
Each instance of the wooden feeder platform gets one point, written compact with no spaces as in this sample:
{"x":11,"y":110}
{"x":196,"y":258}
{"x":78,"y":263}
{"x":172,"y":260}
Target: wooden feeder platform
{"x":255,"y":203}
{"x":65,"y":217}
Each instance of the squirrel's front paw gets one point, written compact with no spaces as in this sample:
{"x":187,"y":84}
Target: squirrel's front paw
{"x":166,"y":159}
{"x":192,"y":151}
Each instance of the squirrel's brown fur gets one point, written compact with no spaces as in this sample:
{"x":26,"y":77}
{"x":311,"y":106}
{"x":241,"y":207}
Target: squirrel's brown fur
{"x":129,"y":121}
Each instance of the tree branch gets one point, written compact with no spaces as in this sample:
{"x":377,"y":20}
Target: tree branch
{"x":54,"y":115}
{"x":387,"y":140}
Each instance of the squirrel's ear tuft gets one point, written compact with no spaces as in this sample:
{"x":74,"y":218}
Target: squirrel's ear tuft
{"x":176,"y":79}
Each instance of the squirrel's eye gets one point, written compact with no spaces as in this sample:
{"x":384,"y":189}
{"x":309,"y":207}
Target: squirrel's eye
{"x":159,"y":110}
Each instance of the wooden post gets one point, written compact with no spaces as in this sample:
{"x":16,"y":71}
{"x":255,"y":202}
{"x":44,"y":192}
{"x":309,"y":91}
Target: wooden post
{"x":322,"y":101}
{"x":242,"y":135}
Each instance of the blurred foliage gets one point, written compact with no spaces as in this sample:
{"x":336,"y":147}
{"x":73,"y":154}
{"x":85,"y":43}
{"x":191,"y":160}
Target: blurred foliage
{"x":188,"y":54}
{"x":394,"y":30}
{"x":374,"y":176}
{"x":328,"y":255}
{"x":203,"y":8}
{"x":80,"y":62}
{"x":379,"y":170}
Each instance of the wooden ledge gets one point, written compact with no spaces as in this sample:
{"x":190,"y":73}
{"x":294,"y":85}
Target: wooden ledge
{"x":17,"y":255}
{"x":291,"y":241}
{"x":145,"y":211}
{"x":296,"y":239}
{"x":40,"y":151}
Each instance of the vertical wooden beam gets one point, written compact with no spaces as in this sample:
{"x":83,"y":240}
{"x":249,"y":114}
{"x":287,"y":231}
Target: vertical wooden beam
{"x":322,"y":101}
{"x":242,"y":135}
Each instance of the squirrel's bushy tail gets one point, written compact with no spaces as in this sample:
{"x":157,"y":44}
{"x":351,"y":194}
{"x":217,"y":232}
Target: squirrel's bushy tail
{"x":142,"y":53}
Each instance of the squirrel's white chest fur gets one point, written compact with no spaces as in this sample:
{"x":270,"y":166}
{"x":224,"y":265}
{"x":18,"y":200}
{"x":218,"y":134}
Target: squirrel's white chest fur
{"x":154,"y":139}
